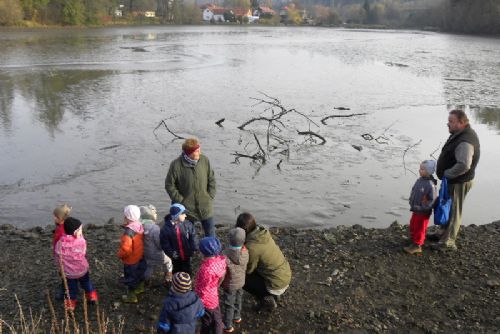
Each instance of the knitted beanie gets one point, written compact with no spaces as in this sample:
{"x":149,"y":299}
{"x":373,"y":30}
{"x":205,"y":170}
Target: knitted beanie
{"x":429,"y":166}
{"x":176,"y":210}
{"x":237,"y":236}
{"x":148,"y":212}
{"x":181,"y":282}
{"x":210,"y":246}
{"x":132,"y":213}
{"x":71,"y":225}
{"x":190,"y":145}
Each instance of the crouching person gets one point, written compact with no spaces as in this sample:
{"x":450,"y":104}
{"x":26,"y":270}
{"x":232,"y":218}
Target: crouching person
{"x":180,"y":308}
{"x":131,"y":253}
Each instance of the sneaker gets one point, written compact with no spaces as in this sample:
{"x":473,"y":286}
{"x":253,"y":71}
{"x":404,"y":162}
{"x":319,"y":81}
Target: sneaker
{"x":130,"y":298}
{"x":92,"y":297}
{"x":413,"y":249}
{"x":269,"y":303}
{"x":237,"y":321}
{"x":229,"y":330}
{"x":70,"y":304}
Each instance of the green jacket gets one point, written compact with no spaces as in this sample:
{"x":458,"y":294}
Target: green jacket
{"x":267,"y":259}
{"x":193,"y":187}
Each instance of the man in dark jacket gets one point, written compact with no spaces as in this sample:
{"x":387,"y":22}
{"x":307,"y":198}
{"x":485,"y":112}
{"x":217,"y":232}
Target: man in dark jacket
{"x":191,"y":181}
{"x":457,"y":162}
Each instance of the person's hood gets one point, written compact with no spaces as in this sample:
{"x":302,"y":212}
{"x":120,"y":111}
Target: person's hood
{"x":234,"y":254}
{"x":260,"y":235}
{"x":136,"y":226}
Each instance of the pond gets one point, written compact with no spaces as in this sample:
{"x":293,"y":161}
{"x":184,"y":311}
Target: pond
{"x":79,"y":108}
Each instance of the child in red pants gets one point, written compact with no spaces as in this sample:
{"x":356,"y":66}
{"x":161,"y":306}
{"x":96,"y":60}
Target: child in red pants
{"x":422,"y":198}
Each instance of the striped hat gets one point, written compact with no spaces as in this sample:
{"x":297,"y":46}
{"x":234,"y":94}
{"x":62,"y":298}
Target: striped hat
{"x":181,"y":282}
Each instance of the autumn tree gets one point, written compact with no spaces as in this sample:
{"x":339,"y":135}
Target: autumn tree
{"x":10,"y":12}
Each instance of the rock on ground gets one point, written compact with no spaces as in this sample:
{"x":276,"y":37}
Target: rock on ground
{"x":345,"y":280}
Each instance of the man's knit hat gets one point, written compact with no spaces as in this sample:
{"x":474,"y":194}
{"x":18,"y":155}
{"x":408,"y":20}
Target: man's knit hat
{"x":210,"y":246}
{"x":181,"y":282}
{"x":429,"y":166}
{"x":132,"y":212}
{"x":176,"y":210}
{"x":148,"y":212}
{"x":237,"y":236}
{"x":190,"y":145}
{"x":71,"y":225}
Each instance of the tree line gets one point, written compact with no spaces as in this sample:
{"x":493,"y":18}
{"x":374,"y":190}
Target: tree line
{"x":465,"y":16}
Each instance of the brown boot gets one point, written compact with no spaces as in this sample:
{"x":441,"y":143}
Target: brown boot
{"x":413,"y":249}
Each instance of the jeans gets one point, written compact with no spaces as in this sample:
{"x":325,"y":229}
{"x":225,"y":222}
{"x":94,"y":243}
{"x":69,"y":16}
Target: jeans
{"x":85,"y":283}
{"x":133,"y":274}
{"x":208,"y":227}
{"x":232,"y":301}
{"x":211,"y":321}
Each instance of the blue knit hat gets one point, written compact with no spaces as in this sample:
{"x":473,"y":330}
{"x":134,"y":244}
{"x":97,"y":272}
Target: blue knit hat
{"x":176,"y":210}
{"x":210,"y":246}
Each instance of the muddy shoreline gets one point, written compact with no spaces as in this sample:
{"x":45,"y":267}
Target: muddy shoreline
{"x":345,"y":280}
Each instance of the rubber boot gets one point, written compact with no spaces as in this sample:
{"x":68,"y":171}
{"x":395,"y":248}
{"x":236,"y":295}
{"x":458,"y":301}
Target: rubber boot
{"x":130,"y":298}
{"x":140,"y":288}
{"x":70,"y":304}
{"x":92,"y":297}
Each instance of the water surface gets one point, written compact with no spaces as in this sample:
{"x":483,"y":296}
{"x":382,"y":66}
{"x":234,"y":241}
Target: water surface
{"x":78,"y":109}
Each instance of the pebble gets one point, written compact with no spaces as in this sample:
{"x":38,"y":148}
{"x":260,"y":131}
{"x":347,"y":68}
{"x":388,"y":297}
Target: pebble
{"x":307,"y":267}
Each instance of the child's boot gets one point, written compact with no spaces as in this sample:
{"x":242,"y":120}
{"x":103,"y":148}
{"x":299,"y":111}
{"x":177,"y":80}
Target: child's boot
{"x":131,"y":297}
{"x":92,"y":297}
{"x":70,"y":304}
{"x":140,"y":288}
{"x":413,"y":249}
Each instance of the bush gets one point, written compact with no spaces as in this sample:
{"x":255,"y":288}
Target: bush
{"x":11,"y":12}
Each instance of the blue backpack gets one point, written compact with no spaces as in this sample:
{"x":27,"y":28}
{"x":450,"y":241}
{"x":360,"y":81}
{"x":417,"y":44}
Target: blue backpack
{"x":443,"y":204}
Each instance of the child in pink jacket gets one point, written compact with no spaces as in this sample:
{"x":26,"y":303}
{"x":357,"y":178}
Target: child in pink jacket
{"x":212,"y":271}
{"x":70,"y":252}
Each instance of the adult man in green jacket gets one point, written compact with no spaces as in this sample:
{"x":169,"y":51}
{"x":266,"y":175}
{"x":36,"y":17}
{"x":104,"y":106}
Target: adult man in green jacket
{"x":190,"y":181}
{"x":457,"y":162}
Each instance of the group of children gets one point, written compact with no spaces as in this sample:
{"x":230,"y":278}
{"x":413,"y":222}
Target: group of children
{"x":144,"y":247}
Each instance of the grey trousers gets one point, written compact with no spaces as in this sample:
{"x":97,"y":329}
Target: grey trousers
{"x":458,"y":191}
{"x":232,"y":301}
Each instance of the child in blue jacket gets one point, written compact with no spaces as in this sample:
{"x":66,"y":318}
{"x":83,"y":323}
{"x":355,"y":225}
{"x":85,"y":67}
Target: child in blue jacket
{"x":178,"y":239}
{"x":181,"y":308}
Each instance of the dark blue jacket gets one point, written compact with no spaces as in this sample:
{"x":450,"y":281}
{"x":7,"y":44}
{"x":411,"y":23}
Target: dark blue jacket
{"x":179,"y":312}
{"x":169,"y":243}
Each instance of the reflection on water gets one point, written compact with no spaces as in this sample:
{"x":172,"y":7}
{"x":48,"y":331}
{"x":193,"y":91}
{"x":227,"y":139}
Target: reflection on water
{"x":487,"y":115}
{"x":52,"y":92}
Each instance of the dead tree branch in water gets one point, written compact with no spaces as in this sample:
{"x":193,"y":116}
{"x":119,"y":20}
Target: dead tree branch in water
{"x":404,"y":154}
{"x":166,"y":127}
{"x":312,"y":134}
{"x":323,"y":120}
{"x":432,"y":153}
{"x":219,"y":122}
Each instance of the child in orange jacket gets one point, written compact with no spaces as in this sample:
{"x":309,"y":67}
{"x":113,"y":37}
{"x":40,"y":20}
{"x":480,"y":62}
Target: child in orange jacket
{"x":131,"y":253}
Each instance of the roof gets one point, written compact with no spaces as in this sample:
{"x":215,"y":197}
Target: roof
{"x":240,"y":11}
{"x":266,"y":10}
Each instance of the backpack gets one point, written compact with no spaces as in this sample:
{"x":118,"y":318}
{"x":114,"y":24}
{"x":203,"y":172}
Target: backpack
{"x":443,"y":204}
